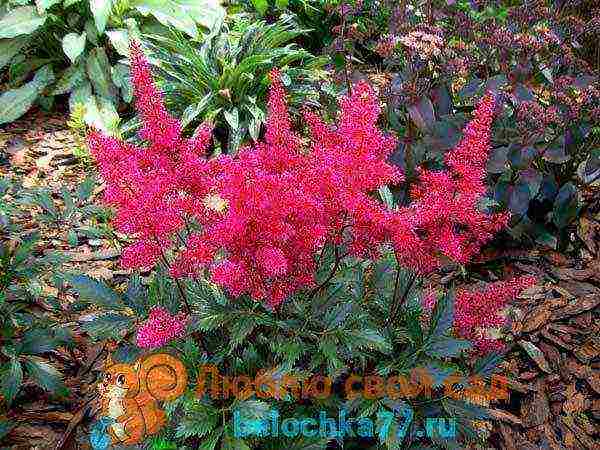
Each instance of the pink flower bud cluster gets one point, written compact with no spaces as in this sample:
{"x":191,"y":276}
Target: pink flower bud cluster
{"x":160,"y":328}
{"x":478,"y":311}
{"x":259,"y":218}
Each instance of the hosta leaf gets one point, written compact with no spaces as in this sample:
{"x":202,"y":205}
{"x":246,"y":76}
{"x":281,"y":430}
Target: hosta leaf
{"x":95,"y":291}
{"x":45,"y":375}
{"x":121,"y":79}
{"x":119,"y":39}
{"x":43,"y":5}
{"x":16,"y":102}
{"x":208,"y":13}
{"x":12,"y":378}
{"x":72,"y":77}
{"x":21,"y":20}
{"x":80,"y":95}
{"x":73,"y":45}
{"x":9,"y":48}
{"x":169,"y":13}
{"x":107,"y":326}
{"x":98,"y":70}
{"x":101,"y":12}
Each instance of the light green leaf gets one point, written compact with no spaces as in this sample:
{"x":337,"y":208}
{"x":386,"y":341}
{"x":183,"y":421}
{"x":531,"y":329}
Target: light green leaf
{"x":282,"y":4}
{"x":100,"y":113}
{"x":169,"y":13}
{"x":73,"y":45}
{"x":120,"y":77}
{"x":67,"y":3}
{"x":43,"y":5}
{"x":22,"y":20}
{"x":9,"y":48}
{"x":207,"y":13}
{"x":261,"y":6}
{"x":119,"y":39}
{"x":80,"y":95}
{"x":233,"y":118}
{"x":101,"y":12}
{"x":16,"y":102}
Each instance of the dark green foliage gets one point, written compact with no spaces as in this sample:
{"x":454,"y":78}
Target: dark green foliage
{"x":224,"y":77}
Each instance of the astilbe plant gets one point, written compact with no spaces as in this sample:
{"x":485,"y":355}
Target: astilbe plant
{"x":257,"y":221}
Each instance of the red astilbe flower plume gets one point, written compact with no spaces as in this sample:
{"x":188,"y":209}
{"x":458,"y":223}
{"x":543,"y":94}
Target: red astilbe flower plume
{"x":260,"y":217}
{"x":445,"y":218}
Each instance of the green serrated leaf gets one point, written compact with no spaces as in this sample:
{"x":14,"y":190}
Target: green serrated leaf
{"x":95,"y":291}
{"x":45,"y":375}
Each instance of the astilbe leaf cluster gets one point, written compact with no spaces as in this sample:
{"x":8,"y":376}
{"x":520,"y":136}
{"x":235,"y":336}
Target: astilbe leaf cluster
{"x":256,"y":221}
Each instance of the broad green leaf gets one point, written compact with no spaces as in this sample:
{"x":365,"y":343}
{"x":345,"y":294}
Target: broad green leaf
{"x":98,"y":70}
{"x":107,"y":326}
{"x":44,"y":375}
{"x":67,"y":3}
{"x":119,"y":39}
{"x":566,"y":205}
{"x":80,"y":95}
{"x":9,"y":48}
{"x":37,"y":341}
{"x":21,"y":20}
{"x":208,"y":13}
{"x":261,"y":6}
{"x":120,"y":77}
{"x":101,"y":12}
{"x":94,"y":291}
{"x":101,"y":113}
{"x":73,"y":45}
{"x":43,"y":5}
{"x":136,"y":295}
{"x":169,"y":13}
{"x":72,"y":77}
{"x":12,"y":378}
{"x":282,"y":4}
{"x":16,"y":102}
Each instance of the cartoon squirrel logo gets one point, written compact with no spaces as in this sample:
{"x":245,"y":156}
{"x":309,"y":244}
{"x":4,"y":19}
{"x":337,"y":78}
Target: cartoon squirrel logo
{"x":130,"y":394}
